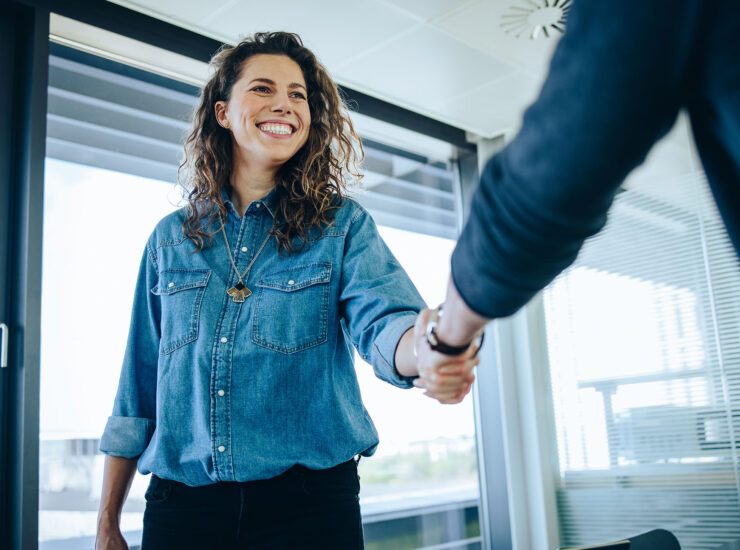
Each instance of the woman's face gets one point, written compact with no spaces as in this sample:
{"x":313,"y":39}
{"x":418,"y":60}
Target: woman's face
{"x":268,"y":112}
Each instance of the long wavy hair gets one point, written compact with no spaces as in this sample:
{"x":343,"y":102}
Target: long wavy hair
{"x":310,"y":185}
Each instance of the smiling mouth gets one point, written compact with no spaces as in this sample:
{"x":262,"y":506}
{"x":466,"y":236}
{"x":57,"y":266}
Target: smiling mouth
{"x":276,"y":128}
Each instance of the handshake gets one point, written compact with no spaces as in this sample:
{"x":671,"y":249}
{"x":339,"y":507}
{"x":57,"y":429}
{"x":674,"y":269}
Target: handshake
{"x":446,"y":378}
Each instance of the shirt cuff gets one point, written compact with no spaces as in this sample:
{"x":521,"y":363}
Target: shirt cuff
{"x":126,"y":436}
{"x":385,"y":346}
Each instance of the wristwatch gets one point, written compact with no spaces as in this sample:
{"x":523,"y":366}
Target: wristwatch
{"x":438,"y":345}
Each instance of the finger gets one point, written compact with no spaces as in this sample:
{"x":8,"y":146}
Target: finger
{"x":448,"y":384}
{"x":443,"y":395}
{"x":465,"y":391}
{"x":452,"y":369}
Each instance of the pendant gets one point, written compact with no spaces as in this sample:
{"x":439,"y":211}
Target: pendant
{"x":239,"y":292}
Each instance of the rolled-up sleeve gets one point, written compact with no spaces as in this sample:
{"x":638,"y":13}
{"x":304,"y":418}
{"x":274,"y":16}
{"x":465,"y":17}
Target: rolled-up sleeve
{"x":130,"y":427}
{"x":378,"y":301}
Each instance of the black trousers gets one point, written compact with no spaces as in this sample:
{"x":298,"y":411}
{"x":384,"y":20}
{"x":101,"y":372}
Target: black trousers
{"x":298,"y":509}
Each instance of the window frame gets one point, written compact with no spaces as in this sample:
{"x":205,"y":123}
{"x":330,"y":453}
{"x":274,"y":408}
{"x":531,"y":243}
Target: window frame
{"x":21,"y":248}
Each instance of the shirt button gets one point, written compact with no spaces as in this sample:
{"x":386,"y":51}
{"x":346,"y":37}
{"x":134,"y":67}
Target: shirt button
{"x":291,"y":282}
{"x":244,"y":249}
{"x":221,"y":392}
{"x":170,"y":285}
{"x":221,"y":448}
{"x":224,"y":339}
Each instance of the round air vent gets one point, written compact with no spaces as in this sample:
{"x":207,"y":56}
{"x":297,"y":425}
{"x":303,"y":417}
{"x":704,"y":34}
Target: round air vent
{"x":534,"y":17}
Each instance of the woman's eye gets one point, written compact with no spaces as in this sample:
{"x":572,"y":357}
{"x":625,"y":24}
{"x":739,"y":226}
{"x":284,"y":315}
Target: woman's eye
{"x":261,"y":89}
{"x":299,"y":95}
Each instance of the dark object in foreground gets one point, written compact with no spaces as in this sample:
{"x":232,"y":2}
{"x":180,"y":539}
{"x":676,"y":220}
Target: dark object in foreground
{"x":658,"y":539}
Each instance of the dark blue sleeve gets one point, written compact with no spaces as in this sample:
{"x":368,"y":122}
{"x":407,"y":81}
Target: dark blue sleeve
{"x":617,"y":80}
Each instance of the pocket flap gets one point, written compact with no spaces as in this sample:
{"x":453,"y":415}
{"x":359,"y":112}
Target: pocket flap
{"x":297,"y":277}
{"x":175,"y":280}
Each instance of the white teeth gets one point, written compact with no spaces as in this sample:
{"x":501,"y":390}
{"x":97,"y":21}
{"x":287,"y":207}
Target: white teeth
{"x":282,"y":129}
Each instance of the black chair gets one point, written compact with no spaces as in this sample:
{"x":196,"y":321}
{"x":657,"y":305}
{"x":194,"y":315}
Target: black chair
{"x":658,"y":539}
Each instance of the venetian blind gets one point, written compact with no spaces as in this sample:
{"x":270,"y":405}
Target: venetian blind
{"x":643,"y":336}
{"x":105,"y":114}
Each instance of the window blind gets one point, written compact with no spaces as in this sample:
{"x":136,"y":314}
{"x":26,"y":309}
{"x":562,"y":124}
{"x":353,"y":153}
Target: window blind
{"x":643,"y":336}
{"x":111,"y":117}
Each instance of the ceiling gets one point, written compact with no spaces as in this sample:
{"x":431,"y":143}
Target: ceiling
{"x":474,"y":64}
{"x":471,"y":63}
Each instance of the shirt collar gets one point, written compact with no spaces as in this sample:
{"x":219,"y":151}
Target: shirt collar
{"x":269,"y":201}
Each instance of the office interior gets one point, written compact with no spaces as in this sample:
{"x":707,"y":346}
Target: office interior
{"x":607,"y":407}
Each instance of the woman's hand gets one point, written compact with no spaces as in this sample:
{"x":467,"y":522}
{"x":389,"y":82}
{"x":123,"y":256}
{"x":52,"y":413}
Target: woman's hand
{"x":109,"y":537}
{"x":446,"y":378}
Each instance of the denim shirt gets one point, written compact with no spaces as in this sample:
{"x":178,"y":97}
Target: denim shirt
{"x":214,"y":390}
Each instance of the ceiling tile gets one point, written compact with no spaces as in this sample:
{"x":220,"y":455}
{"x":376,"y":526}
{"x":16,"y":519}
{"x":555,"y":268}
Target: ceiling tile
{"x":423,"y":68}
{"x":429,"y":9}
{"x":334,"y":33}
{"x":479,"y":26}
{"x":494,"y":108}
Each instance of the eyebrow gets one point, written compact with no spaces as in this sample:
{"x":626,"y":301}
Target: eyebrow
{"x":272,"y":82}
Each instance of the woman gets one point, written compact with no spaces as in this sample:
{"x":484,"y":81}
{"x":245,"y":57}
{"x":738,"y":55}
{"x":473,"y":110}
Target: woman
{"x":238,"y":390}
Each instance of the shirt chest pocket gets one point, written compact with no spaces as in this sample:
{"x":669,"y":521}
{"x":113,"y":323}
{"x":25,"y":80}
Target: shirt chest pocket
{"x":181,"y":294}
{"x":292,"y":308}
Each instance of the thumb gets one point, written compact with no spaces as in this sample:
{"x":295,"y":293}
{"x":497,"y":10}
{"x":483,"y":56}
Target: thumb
{"x":421,"y":323}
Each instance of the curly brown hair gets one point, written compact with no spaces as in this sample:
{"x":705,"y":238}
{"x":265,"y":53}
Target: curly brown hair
{"x":311,"y":184}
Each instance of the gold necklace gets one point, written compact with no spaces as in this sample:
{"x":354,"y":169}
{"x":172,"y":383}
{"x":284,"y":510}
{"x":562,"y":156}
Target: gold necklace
{"x":239,"y":292}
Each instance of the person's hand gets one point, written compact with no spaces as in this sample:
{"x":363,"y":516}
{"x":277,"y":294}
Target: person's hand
{"x":446,"y":378}
{"x":109,"y":537}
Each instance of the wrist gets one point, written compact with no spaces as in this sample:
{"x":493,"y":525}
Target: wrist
{"x":108,"y":518}
{"x":441,"y":342}
{"x":451,"y":333}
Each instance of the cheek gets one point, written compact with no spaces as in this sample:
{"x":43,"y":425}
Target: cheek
{"x":305,"y":137}
{"x":307,"y":125}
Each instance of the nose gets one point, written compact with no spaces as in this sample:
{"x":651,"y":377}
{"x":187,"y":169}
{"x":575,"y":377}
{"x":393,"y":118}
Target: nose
{"x":281,"y":104}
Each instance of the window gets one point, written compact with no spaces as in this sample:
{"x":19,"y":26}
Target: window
{"x":644,"y":355}
{"x":114,"y":143}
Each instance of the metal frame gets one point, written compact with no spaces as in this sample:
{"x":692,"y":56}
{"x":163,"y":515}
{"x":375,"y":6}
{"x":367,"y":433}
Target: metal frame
{"x":495,"y":517}
{"x":25,"y":112}
{"x":515,"y":435}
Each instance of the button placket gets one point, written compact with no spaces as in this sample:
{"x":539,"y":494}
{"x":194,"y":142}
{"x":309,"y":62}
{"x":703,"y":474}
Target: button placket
{"x":250,"y":233}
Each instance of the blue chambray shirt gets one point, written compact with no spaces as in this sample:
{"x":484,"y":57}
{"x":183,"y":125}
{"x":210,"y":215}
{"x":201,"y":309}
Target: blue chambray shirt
{"x":214,"y":390}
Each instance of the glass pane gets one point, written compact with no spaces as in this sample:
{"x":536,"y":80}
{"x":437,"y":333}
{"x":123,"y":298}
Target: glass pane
{"x":88,"y":285}
{"x":643,"y":352}
{"x":427,"y":456}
